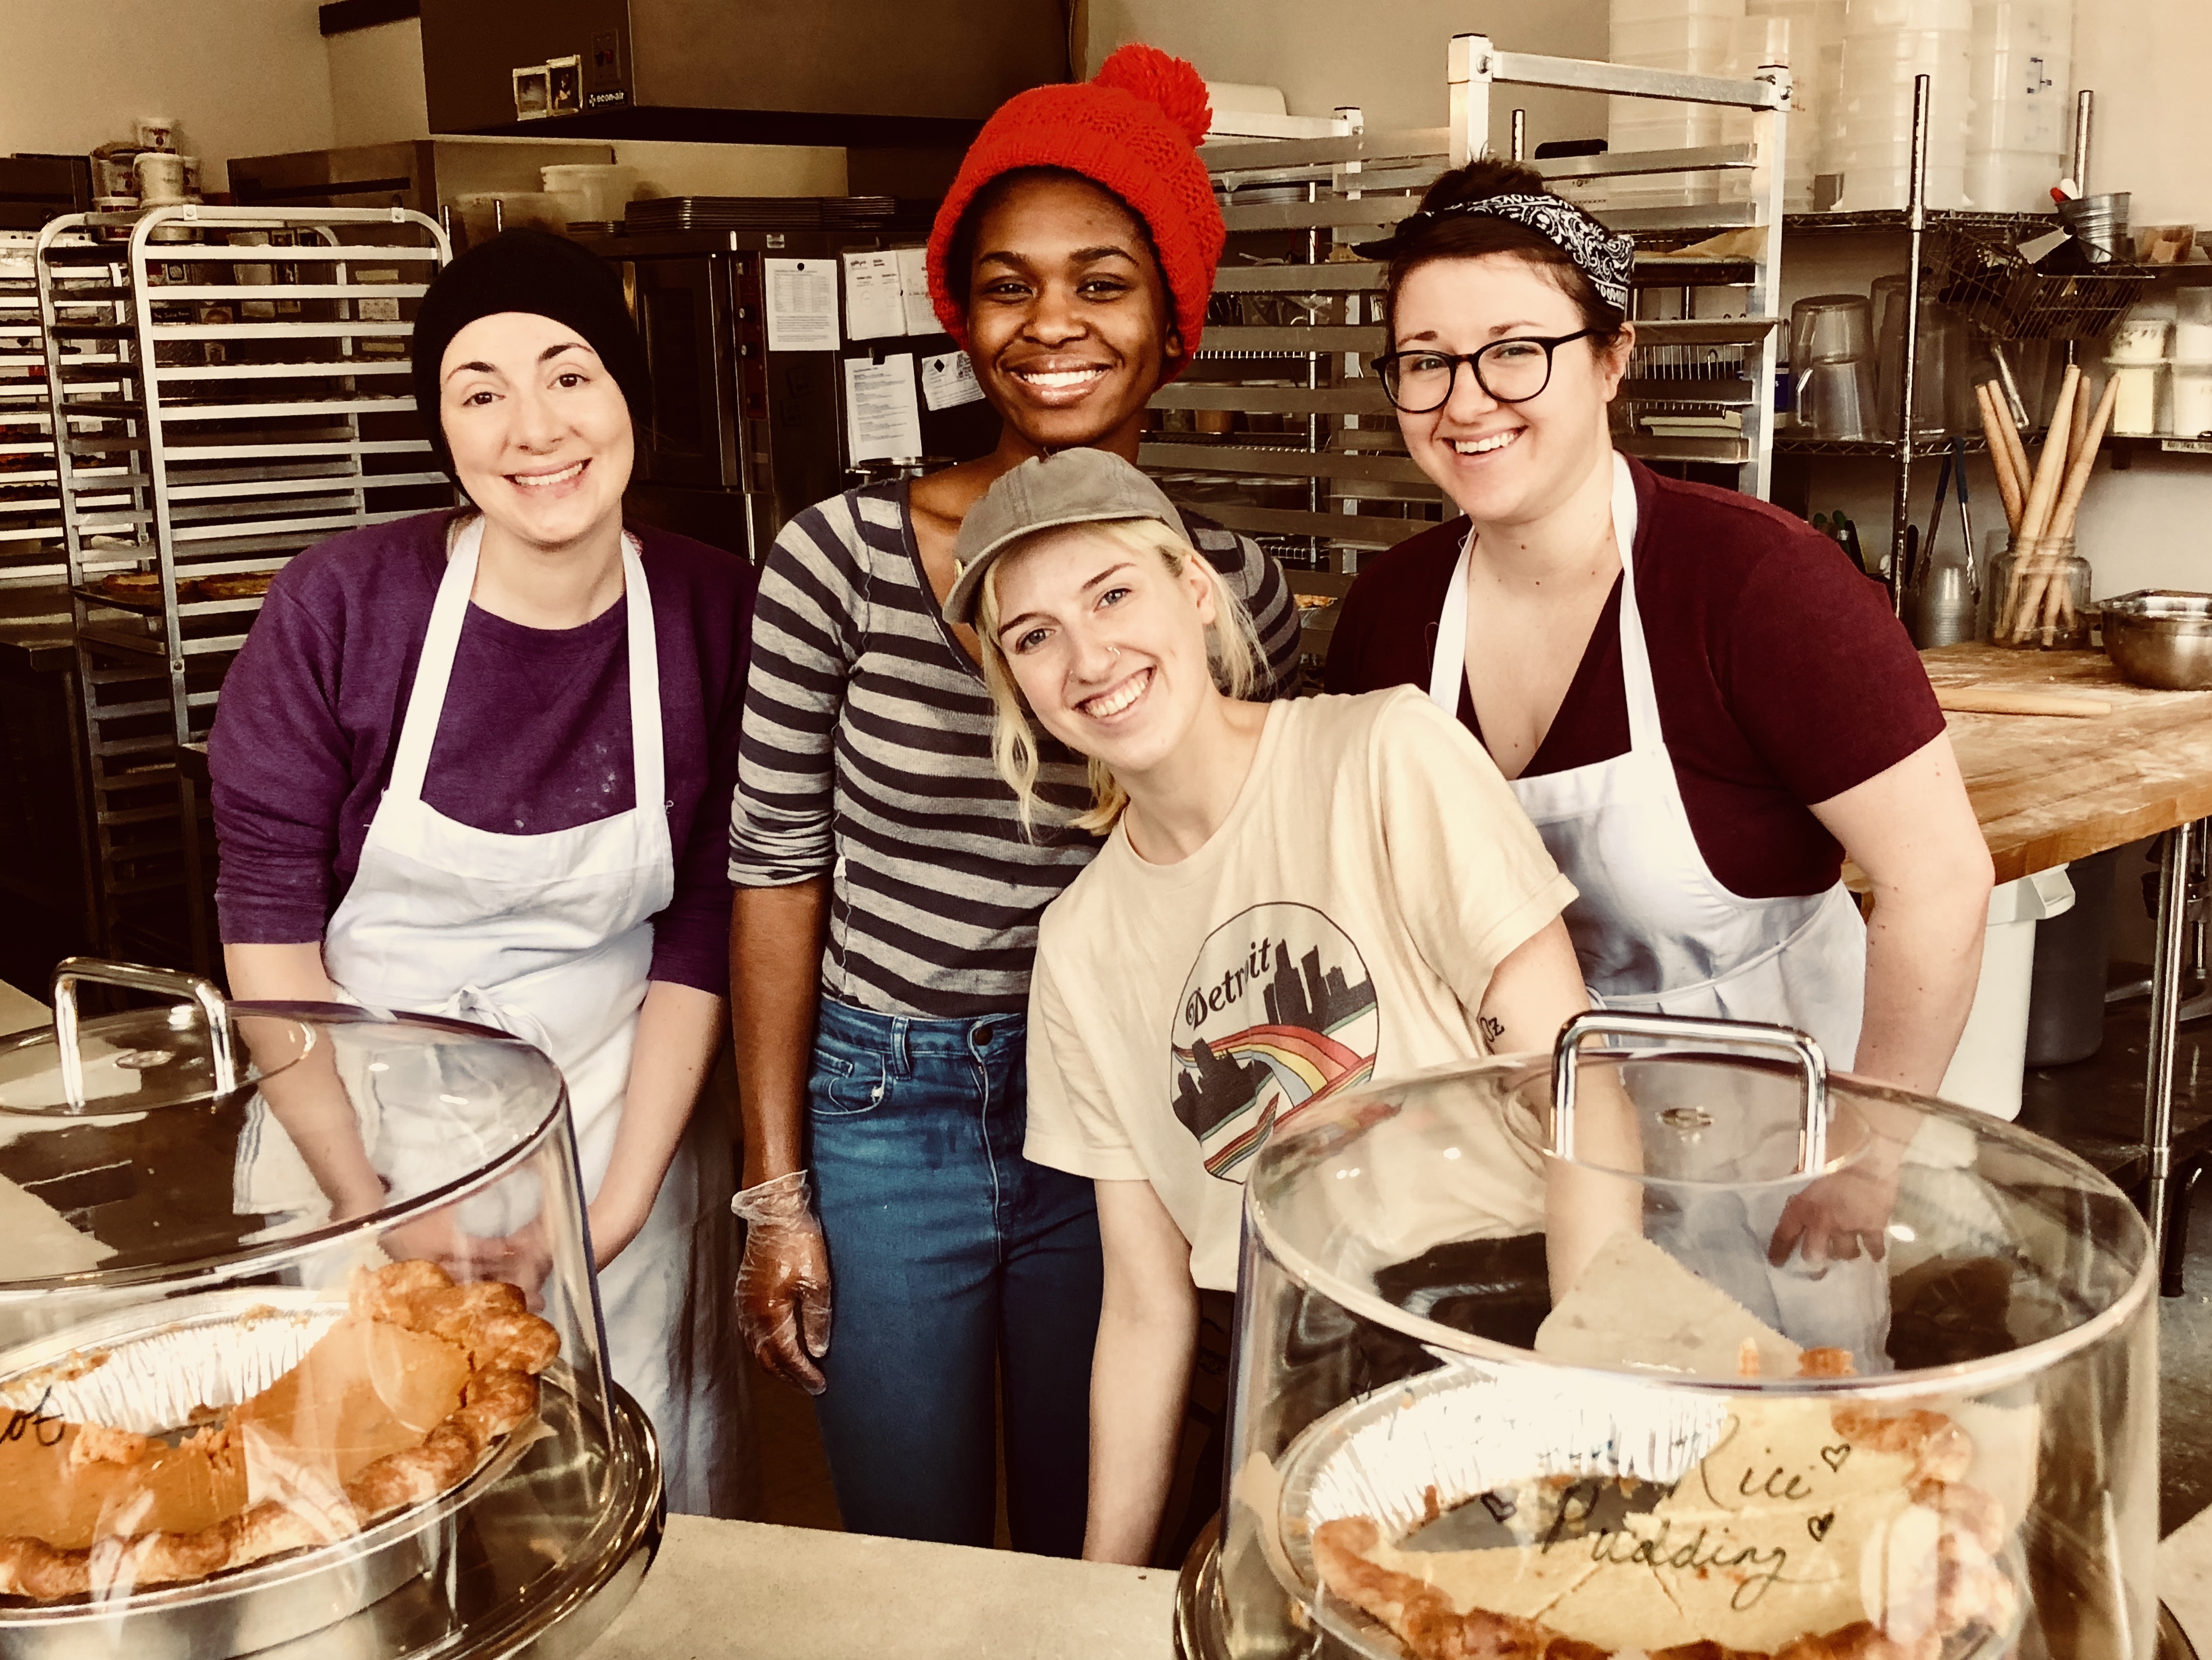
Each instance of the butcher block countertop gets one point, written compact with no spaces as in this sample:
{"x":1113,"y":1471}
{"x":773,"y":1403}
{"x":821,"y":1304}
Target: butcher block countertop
{"x":2050,"y":789}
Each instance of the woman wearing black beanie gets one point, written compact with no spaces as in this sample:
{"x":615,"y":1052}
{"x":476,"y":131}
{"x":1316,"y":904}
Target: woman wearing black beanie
{"x":478,"y":763}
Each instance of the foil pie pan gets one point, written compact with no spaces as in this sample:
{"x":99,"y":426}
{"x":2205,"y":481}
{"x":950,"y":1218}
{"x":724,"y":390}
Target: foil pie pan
{"x":1450,"y":1437}
{"x":213,"y":1351}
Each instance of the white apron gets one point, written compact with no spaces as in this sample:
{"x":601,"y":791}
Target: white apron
{"x":549,"y":937}
{"x":1656,"y":930}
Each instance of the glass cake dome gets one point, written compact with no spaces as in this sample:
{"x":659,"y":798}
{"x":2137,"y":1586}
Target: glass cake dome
{"x":298,"y":1337}
{"x":1678,"y":1345}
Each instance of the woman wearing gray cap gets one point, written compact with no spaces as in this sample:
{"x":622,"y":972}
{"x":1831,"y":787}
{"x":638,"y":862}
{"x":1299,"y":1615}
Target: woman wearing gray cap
{"x":1292,"y":899}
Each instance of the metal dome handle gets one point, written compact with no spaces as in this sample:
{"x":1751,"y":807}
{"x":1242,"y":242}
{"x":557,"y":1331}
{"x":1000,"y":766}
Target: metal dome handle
{"x":73,"y":971}
{"x":1567,"y":1055}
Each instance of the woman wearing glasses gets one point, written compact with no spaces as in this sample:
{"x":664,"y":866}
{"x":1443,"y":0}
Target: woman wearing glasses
{"x":1705,"y":707}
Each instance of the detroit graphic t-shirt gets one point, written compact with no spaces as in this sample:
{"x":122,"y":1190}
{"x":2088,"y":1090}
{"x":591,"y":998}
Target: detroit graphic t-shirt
{"x":1340,"y":927}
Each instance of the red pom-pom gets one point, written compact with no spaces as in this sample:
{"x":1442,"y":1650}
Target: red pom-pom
{"x":1150,"y":74}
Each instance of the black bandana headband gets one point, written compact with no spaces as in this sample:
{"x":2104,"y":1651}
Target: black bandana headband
{"x":1606,"y":257}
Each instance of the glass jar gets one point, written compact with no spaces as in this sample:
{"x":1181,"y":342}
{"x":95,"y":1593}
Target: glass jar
{"x":1682,"y":1344}
{"x":336,"y":1264}
{"x":2040,"y":596}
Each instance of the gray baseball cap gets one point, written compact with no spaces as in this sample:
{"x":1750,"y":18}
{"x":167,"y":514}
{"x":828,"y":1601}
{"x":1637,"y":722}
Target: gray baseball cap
{"x":1073,"y":487}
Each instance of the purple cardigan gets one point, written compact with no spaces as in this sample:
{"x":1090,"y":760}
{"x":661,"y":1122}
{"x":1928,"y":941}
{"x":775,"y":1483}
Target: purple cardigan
{"x":534,"y":737}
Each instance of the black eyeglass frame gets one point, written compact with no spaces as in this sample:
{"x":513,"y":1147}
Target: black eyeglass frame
{"x":1382,"y":361}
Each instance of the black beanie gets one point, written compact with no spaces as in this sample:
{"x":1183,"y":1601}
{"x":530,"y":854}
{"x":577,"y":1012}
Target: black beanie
{"x":532,"y":270}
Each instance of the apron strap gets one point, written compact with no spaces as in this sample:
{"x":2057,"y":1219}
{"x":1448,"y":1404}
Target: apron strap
{"x":434,"y":671}
{"x":1447,"y":667}
{"x":434,"y":674}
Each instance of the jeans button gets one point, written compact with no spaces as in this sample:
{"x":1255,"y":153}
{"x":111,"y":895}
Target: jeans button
{"x":982,"y":1037}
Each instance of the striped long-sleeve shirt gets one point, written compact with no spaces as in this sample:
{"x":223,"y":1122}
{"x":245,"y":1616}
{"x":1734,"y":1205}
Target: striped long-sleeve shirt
{"x":865,"y":754}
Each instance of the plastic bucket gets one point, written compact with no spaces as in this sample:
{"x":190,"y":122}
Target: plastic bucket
{"x":1992,"y":1056}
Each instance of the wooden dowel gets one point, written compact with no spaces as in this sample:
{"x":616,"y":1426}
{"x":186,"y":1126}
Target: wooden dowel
{"x":2050,"y":465}
{"x":2008,"y":485}
{"x":1969,"y":700}
{"x":2084,"y":461}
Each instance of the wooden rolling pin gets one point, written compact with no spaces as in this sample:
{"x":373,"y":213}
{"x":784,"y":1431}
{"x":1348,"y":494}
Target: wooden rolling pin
{"x":1982,"y":700}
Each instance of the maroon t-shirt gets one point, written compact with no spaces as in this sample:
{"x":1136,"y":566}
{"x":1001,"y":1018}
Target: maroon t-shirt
{"x":1782,"y":676}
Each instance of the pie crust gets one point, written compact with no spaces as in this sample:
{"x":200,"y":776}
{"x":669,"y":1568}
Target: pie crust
{"x":1908,"y":1532}
{"x":395,"y":1403}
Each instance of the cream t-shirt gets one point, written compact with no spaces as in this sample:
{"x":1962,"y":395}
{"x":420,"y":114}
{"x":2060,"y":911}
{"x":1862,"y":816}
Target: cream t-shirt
{"x":1340,"y":926}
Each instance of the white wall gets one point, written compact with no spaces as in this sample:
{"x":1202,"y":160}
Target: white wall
{"x":239,"y":78}
{"x":2147,"y":61}
{"x":1387,"y":58}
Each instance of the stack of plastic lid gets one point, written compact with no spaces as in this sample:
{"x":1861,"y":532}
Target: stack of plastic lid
{"x":1816,"y":65}
{"x":2019,"y":130}
{"x":1887,"y":44}
{"x":1694,"y":37}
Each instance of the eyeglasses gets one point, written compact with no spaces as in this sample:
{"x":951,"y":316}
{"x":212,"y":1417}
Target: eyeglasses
{"x":1510,"y":371}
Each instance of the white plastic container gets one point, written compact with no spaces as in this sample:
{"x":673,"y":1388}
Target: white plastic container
{"x":2192,"y":399}
{"x":1992,"y":1056}
{"x":2135,"y":411}
{"x":595,"y":191}
{"x":2192,"y":325}
{"x":2022,"y":82}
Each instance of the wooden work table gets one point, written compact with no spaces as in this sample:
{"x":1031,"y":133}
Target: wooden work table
{"x":2050,"y":789}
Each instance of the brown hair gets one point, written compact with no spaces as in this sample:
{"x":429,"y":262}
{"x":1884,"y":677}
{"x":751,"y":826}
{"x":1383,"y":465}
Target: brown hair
{"x":1471,"y":235}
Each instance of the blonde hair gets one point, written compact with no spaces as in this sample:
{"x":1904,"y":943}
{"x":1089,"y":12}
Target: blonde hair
{"x":1232,"y":649}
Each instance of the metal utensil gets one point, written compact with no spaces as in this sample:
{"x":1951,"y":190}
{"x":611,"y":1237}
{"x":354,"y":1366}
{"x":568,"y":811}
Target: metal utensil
{"x":2159,"y":637}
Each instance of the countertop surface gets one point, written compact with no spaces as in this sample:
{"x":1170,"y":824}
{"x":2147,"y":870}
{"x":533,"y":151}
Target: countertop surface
{"x":738,"y":1590}
{"x":2052,"y":788}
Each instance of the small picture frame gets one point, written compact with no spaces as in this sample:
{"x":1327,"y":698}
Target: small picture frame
{"x":565,"y":76}
{"x":533,"y":94}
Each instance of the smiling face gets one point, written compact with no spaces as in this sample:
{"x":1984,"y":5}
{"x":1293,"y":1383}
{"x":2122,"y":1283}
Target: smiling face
{"x":1106,"y":644}
{"x":1070,"y":327}
{"x":539,"y":432}
{"x":1504,"y":464}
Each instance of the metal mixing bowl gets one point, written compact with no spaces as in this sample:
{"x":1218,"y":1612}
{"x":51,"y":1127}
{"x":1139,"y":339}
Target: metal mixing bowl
{"x":2159,"y":637}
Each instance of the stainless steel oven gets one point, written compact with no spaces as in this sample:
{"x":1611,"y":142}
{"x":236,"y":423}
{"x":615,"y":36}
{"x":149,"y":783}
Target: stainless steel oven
{"x":741,"y":438}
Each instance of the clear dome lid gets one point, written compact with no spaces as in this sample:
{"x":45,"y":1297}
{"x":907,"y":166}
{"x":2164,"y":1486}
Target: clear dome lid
{"x":1682,"y":1341}
{"x":298,"y":1311}
{"x":315,"y":1121}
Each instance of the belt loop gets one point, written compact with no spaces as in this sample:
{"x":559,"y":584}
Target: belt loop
{"x":900,"y":1059}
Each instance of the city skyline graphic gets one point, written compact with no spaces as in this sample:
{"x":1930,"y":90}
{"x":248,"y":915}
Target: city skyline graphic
{"x":1279,"y":1011}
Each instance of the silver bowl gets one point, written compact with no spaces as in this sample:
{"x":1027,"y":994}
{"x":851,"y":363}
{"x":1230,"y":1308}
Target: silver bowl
{"x":2159,"y":637}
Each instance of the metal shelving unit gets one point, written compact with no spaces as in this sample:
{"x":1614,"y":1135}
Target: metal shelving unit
{"x":228,"y":386}
{"x":30,"y":504}
{"x":1278,"y":430}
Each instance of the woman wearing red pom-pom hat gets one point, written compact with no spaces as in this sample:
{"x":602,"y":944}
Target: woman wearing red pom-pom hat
{"x":888,"y":890}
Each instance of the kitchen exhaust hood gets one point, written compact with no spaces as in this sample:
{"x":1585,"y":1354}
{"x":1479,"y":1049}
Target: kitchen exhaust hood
{"x":850,"y":72}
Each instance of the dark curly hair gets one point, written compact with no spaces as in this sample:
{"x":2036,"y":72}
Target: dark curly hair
{"x":1471,"y":235}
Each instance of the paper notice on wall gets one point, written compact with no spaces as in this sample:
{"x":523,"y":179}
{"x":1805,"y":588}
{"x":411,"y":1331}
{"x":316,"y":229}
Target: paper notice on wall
{"x":802,"y":304}
{"x":883,"y":417}
{"x":948,"y":380}
{"x":875,"y":304}
{"x":914,"y":282}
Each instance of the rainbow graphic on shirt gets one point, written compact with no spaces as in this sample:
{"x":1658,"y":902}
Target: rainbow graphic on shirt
{"x":1279,"y":1012}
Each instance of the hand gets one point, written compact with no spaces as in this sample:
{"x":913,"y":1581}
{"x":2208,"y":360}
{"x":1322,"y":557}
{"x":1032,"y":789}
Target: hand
{"x":783,"y":1283}
{"x":1837,"y":1216}
{"x":522,"y":1259}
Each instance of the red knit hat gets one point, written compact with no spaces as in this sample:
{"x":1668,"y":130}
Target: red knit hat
{"x":1132,"y":130}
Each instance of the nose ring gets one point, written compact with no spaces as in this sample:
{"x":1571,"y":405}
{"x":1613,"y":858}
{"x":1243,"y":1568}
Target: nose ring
{"x":1113,"y":651}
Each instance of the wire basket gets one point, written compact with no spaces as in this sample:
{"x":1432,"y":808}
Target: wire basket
{"x":1989,"y":280}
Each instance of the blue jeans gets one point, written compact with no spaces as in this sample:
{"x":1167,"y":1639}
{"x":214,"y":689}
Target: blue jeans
{"x":954,"y":1263}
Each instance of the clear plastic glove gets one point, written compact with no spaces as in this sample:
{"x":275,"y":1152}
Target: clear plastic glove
{"x":783,"y":1283}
